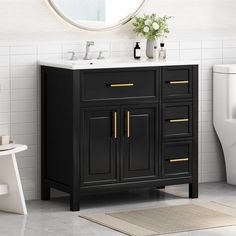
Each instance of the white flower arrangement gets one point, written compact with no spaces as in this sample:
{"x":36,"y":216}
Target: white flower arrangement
{"x":151,"y":26}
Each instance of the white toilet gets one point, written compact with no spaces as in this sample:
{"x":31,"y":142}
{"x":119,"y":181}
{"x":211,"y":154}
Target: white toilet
{"x":224,"y":114}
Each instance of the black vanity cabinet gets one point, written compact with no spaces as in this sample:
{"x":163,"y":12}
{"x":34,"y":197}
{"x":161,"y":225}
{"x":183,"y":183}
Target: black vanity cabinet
{"x":119,"y":128}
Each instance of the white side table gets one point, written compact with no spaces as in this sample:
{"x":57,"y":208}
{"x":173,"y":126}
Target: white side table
{"x":11,"y":192}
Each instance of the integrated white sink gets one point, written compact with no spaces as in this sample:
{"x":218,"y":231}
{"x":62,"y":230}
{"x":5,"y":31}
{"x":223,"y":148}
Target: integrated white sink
{"x":100,"y":62}
{"x":111,"y":63}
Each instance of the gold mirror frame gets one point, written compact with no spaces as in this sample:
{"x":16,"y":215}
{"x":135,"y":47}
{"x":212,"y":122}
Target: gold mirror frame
{"x":81,"y":26}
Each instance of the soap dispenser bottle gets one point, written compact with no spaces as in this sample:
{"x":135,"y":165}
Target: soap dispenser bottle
{"x":162,"y":52}
{"x":155,"y":53}
{"x":137,"y":51}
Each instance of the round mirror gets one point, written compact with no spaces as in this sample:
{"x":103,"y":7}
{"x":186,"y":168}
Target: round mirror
{"x":97,"y":15}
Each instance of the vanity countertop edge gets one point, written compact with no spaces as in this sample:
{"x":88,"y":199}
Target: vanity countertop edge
{"x":74,"y":65}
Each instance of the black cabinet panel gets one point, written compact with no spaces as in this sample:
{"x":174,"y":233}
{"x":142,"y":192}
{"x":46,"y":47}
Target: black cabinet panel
{"x":57,"y":160}
{"x":138,"y":150}
{"x":104,"y":85}
{"x":100,"y":153}
{"x":177,"y":158}
{"x":177,"y":82}
{"x":177,"y":120}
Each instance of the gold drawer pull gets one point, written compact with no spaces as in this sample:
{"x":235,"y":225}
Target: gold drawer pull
{"x":128,"y":124}
{"x":178,"y":160}
{"x":121,"y":85}
{"x":178,"y":120}
{"x":115,"y":125}
{"x":179,"y":82}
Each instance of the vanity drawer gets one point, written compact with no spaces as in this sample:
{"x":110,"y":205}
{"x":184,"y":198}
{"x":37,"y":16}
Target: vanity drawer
{"x":177,"y":82}
{"x":177,"y":158}
{"x":118,"y":84}
{"x":177,"y":120}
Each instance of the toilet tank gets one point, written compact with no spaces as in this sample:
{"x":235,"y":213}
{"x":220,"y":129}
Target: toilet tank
{"x":224,"y":92}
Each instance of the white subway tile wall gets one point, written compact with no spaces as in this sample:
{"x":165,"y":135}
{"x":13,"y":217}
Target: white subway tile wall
{"x":20,"y":96}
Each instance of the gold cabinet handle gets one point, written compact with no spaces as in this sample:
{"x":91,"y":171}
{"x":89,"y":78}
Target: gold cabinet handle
{"x":121,"y":85}
{"x":178,"y":120}
{"x":128,"y":124}
{"x":179,"y":160}
{"x":115,"y":125}
{"x":179,"y":82}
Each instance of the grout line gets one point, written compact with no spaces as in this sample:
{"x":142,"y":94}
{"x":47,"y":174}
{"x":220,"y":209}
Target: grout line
{"x":222,"y":48}
{"x":38,"y":162}
{"x":200,"y":117}
{"x":10,"y":85}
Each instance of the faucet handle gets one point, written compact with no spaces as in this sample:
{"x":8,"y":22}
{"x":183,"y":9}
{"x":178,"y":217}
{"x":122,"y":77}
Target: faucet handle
{"x":100,"y":56}
{"x":90,"y":43}
{"x":73,"y":57}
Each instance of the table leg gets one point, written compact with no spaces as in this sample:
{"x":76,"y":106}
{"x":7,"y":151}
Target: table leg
{"x":9,"y":174}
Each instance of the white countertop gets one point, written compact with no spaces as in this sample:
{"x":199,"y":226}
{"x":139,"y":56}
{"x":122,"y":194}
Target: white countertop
{"x":112,"y":63}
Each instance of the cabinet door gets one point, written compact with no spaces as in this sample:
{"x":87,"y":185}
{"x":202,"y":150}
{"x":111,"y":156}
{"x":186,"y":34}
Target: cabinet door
{"x":138,"y":144}
{"x":100,"y":146}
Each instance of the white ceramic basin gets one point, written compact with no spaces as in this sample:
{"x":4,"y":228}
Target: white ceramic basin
{"x":100,"y":62}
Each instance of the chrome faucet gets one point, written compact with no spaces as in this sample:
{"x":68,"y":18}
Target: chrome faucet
{"x":88,"y":44}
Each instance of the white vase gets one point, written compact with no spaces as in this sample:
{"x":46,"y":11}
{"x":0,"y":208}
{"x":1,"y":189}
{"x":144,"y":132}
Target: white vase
{"x":149,"y":48}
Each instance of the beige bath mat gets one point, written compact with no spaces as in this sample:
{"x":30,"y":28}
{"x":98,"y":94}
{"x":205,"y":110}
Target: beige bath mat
{"x":166,"y":220}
